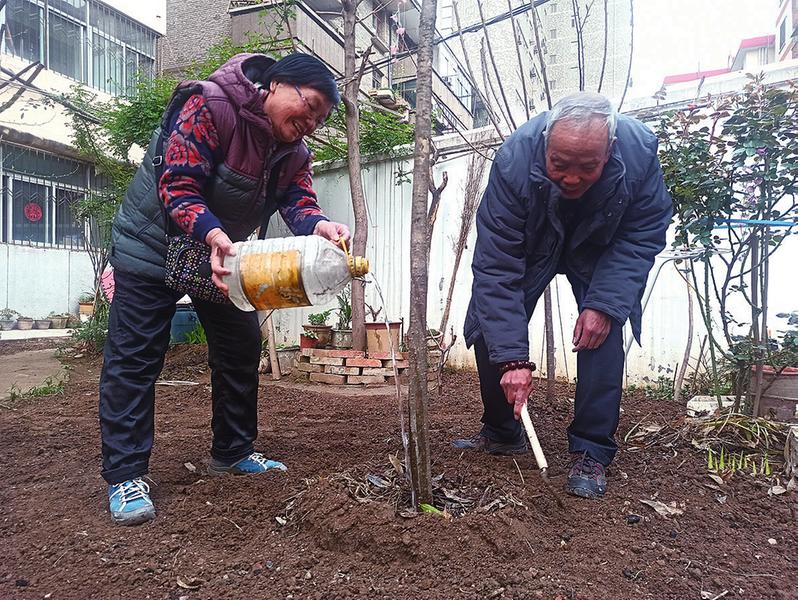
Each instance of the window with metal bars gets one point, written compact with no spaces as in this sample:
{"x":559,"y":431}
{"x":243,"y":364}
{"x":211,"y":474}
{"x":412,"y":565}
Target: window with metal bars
{"x":40,"y":196}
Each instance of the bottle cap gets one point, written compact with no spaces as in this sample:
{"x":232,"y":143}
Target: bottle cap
{"x":358,"y":265}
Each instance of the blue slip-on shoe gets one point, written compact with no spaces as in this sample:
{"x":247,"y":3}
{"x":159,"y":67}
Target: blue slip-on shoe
{"x":587,"y":477}
{"x":130,"y":502}
{"x":249,"y":465}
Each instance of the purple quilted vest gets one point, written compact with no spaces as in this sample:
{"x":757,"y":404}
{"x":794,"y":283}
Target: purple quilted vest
{"x":237,"y":193}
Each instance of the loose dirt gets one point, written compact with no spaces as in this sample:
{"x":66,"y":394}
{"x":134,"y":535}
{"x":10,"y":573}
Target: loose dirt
{"x":320,"y":530}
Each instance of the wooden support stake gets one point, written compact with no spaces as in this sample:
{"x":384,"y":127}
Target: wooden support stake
{"x":276,"y":374}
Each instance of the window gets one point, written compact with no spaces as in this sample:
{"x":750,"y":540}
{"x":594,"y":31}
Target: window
{"x":553,"y":33}
{"x":65,"y":47}
{"x":376,"y":79}
{"x":121,"y":50}
{"x":29,"y":209}
{"x":407,"y":90}
{"x":381,"y":25}
{"x":446,"y":17}
{"x":40,"y":193}
{"x":137,"y":67}
{"x":782,"y":33}
{"x":24,"y":24}
{"x":108,"y":65}
{"x":72,"y":8}
{"x":69,"y":231}
{"x":85,"y":40}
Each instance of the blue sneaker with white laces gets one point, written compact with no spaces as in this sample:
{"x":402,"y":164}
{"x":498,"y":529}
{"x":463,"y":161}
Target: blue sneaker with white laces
{"x":249,"y":465}
{"x":130,"y":502}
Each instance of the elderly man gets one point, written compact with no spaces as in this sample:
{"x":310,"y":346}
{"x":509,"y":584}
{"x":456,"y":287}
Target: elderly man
{"x":579,"y":191}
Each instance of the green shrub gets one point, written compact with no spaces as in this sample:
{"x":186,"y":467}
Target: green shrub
{"x":91,"y":335}
{"x":197,"y":335}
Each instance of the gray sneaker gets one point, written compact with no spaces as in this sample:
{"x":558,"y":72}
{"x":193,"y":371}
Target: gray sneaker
{"x":587,"y":477}
{"x":481,"y":443}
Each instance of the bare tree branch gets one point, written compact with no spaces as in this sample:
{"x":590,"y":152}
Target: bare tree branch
{"x":486,"y":38}
{"x":487,"y":104}
{"x":604,"y":52}
{"x":631,"y":51}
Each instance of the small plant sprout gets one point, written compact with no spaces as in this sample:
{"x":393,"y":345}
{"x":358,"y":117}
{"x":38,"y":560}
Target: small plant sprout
{"x":710,"y":460}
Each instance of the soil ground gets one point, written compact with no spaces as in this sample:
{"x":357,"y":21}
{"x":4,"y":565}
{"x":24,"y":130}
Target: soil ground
{"x":325,"y":529}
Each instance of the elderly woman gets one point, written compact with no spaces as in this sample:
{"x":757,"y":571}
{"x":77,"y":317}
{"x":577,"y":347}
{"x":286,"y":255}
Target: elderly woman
{"x":231,"y":155}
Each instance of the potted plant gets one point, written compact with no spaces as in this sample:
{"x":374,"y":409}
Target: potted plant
{"x":342,"y":334}
{"x":318,"y":325}
{"x":86,"y":302}
{"x":42,"y":323}
{"x":287,"y":357}
{"x":59,"y":320}
{"x":309,"y":339}
{"x":780,"y":374}
{"x":24,"y":323}
{"x":8,"y":318}
{"x":380,"y":337}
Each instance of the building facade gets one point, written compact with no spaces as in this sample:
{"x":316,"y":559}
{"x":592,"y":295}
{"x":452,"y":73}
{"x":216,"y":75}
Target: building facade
{"x":508,"y":72}
{"x":316,"y":27}
{"x":48,"y":47}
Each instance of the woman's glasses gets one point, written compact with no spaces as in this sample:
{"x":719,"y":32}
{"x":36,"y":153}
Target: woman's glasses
{"x":319,"y":121}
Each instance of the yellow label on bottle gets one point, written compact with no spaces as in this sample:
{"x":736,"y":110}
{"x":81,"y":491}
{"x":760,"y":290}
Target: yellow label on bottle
{"x":273,"y":279}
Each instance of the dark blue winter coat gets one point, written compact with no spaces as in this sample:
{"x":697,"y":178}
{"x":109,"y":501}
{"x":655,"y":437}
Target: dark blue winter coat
{"x":521,"y":242}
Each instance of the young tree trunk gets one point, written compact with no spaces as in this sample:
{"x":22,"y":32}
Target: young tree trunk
{"x":418,"y":392}
{"x":360,"y":235}
{"x":551,"y":350}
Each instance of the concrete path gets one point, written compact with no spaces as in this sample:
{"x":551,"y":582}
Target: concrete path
{"x":25,"y":370}
{"x":32,"y":334}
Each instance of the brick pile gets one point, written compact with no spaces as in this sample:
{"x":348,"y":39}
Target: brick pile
{"x":351,"y":367}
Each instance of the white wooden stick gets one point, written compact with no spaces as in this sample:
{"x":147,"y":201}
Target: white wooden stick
{"x":533,"y":439}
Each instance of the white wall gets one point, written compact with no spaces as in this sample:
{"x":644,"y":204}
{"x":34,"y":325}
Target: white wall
{"x":665,"y":320}
{"x":38,"y":281}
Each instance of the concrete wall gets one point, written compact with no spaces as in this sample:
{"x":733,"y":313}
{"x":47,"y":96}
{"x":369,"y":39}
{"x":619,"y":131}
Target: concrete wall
{"x":192,"y":27}
{"x":665,"y":320}
{"x":38,"y":281}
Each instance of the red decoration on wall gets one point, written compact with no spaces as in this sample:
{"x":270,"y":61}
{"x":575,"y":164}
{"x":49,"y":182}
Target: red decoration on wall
{"x":33,"y":212}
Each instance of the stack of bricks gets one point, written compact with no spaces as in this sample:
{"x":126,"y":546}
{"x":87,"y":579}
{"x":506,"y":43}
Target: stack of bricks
{"x":351,"y":367}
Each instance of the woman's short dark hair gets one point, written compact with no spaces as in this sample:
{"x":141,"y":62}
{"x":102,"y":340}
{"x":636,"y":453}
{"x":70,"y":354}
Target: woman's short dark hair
{"x":304,"y":70}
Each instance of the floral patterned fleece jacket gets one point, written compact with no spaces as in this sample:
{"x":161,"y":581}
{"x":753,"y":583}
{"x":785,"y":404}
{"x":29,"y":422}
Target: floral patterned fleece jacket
{"x":193,"y":149}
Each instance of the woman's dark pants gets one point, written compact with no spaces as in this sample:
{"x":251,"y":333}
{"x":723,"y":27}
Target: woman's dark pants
{"x":597,"y":404}
{"x":138,"y":337}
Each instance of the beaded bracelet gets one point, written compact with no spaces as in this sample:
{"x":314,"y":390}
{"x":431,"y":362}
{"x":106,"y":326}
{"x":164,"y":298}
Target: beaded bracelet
{"x":516,"y":364}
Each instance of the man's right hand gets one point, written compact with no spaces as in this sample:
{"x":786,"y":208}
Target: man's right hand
{"x":517,"y":385}
{"x":221,"y":246}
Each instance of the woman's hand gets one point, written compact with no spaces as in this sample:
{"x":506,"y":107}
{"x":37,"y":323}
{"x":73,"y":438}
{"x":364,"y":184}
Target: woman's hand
{"x":221,"y":246}
{"x":517,"y":385}
{"x":335,"y":232}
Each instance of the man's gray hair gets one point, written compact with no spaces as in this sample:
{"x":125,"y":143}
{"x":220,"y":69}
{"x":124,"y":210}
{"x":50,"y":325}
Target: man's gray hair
{"x":583,"y":107}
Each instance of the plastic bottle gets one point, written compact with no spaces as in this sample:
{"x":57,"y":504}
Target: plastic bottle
{"x":289,"y":272}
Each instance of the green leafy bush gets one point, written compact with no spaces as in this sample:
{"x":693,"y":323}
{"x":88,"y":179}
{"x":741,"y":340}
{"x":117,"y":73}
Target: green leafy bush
{"x":197,"y":335}
{"x":319,"y":319}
